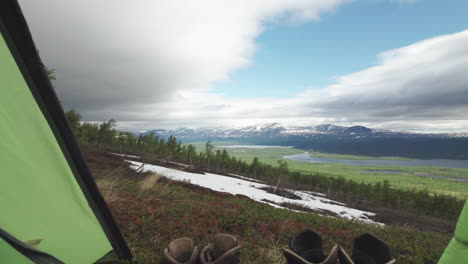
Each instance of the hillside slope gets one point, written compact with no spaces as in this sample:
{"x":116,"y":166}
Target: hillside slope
{"x":151,"y":211}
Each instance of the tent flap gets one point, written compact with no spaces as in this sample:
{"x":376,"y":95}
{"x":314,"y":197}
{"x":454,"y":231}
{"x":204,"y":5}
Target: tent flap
{"x":457,"y":250}
{"x":51,"y":194}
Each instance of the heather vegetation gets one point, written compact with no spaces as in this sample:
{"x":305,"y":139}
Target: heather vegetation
{"x":151,"y":211}
{"x":149,"y":146}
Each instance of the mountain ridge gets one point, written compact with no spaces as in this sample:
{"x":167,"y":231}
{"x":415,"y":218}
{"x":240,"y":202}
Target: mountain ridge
{"x":279,"y":130}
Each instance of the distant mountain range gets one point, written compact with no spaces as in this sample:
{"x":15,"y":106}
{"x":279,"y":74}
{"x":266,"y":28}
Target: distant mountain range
{"x":355,"y":140}
{"x":278,"y":130}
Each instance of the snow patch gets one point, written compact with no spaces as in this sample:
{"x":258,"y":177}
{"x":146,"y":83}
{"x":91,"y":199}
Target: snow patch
{"x":124,"y":155}
{"x":252,"y":190}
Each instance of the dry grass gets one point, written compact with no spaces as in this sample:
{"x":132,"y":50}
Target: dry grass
{"x":107,"y":188}
{"x":149,"y":181}
{"x":151,"y":211}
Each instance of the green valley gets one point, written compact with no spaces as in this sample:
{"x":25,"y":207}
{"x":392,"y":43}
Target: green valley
{"x":404,"y":177}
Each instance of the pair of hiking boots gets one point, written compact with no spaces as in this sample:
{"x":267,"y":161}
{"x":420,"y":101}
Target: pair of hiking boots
{"x":306,"y":248}
{"x":225,"y":250}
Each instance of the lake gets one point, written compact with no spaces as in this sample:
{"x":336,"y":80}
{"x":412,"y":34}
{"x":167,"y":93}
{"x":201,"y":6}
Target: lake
{"x":445,"y":163}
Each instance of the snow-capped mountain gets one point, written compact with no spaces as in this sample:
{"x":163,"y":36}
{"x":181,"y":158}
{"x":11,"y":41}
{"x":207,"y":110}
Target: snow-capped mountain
{"x":354,"y":140}
{"x":278,"y":130}
{"x":265,"y":130}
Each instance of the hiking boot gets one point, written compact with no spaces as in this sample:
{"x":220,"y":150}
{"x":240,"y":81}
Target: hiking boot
{"x":343,"y":257}
{"x":225,"y":250}
{"x":305,"y":247}
{"x":181,"y":251}
{"x":367,"y":249}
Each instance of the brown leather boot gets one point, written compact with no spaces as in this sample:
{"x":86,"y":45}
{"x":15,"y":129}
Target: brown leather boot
{"x":305,"y":247}
{"x":368,"y":249}
{"x":181,"y":251}
{"x":225,"y":250}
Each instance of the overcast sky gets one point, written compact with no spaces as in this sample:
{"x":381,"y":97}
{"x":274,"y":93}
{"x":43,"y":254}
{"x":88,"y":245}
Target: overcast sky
{"x":400,"y":65}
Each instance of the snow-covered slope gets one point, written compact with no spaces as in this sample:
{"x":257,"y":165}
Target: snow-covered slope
{"x":253,"y":190}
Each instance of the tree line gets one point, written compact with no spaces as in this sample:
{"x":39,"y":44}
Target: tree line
{"x":104,"y":136}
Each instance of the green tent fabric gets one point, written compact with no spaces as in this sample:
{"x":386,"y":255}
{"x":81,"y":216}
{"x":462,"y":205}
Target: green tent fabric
{"x":47,"y":192}
{"x":457,"y":250}
{"x":10,"y":255}
{"x":18,"y":252}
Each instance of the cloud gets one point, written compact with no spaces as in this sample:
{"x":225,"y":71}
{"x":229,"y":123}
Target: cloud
{"x":120,"y":58}
{"x":420,"y":87}
{"x":423,"y":81}
{"x":152,"y":64}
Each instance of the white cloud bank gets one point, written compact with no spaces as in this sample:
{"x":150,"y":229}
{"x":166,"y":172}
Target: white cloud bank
{"x":152,"y":65}
{"x":116,"y":57}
